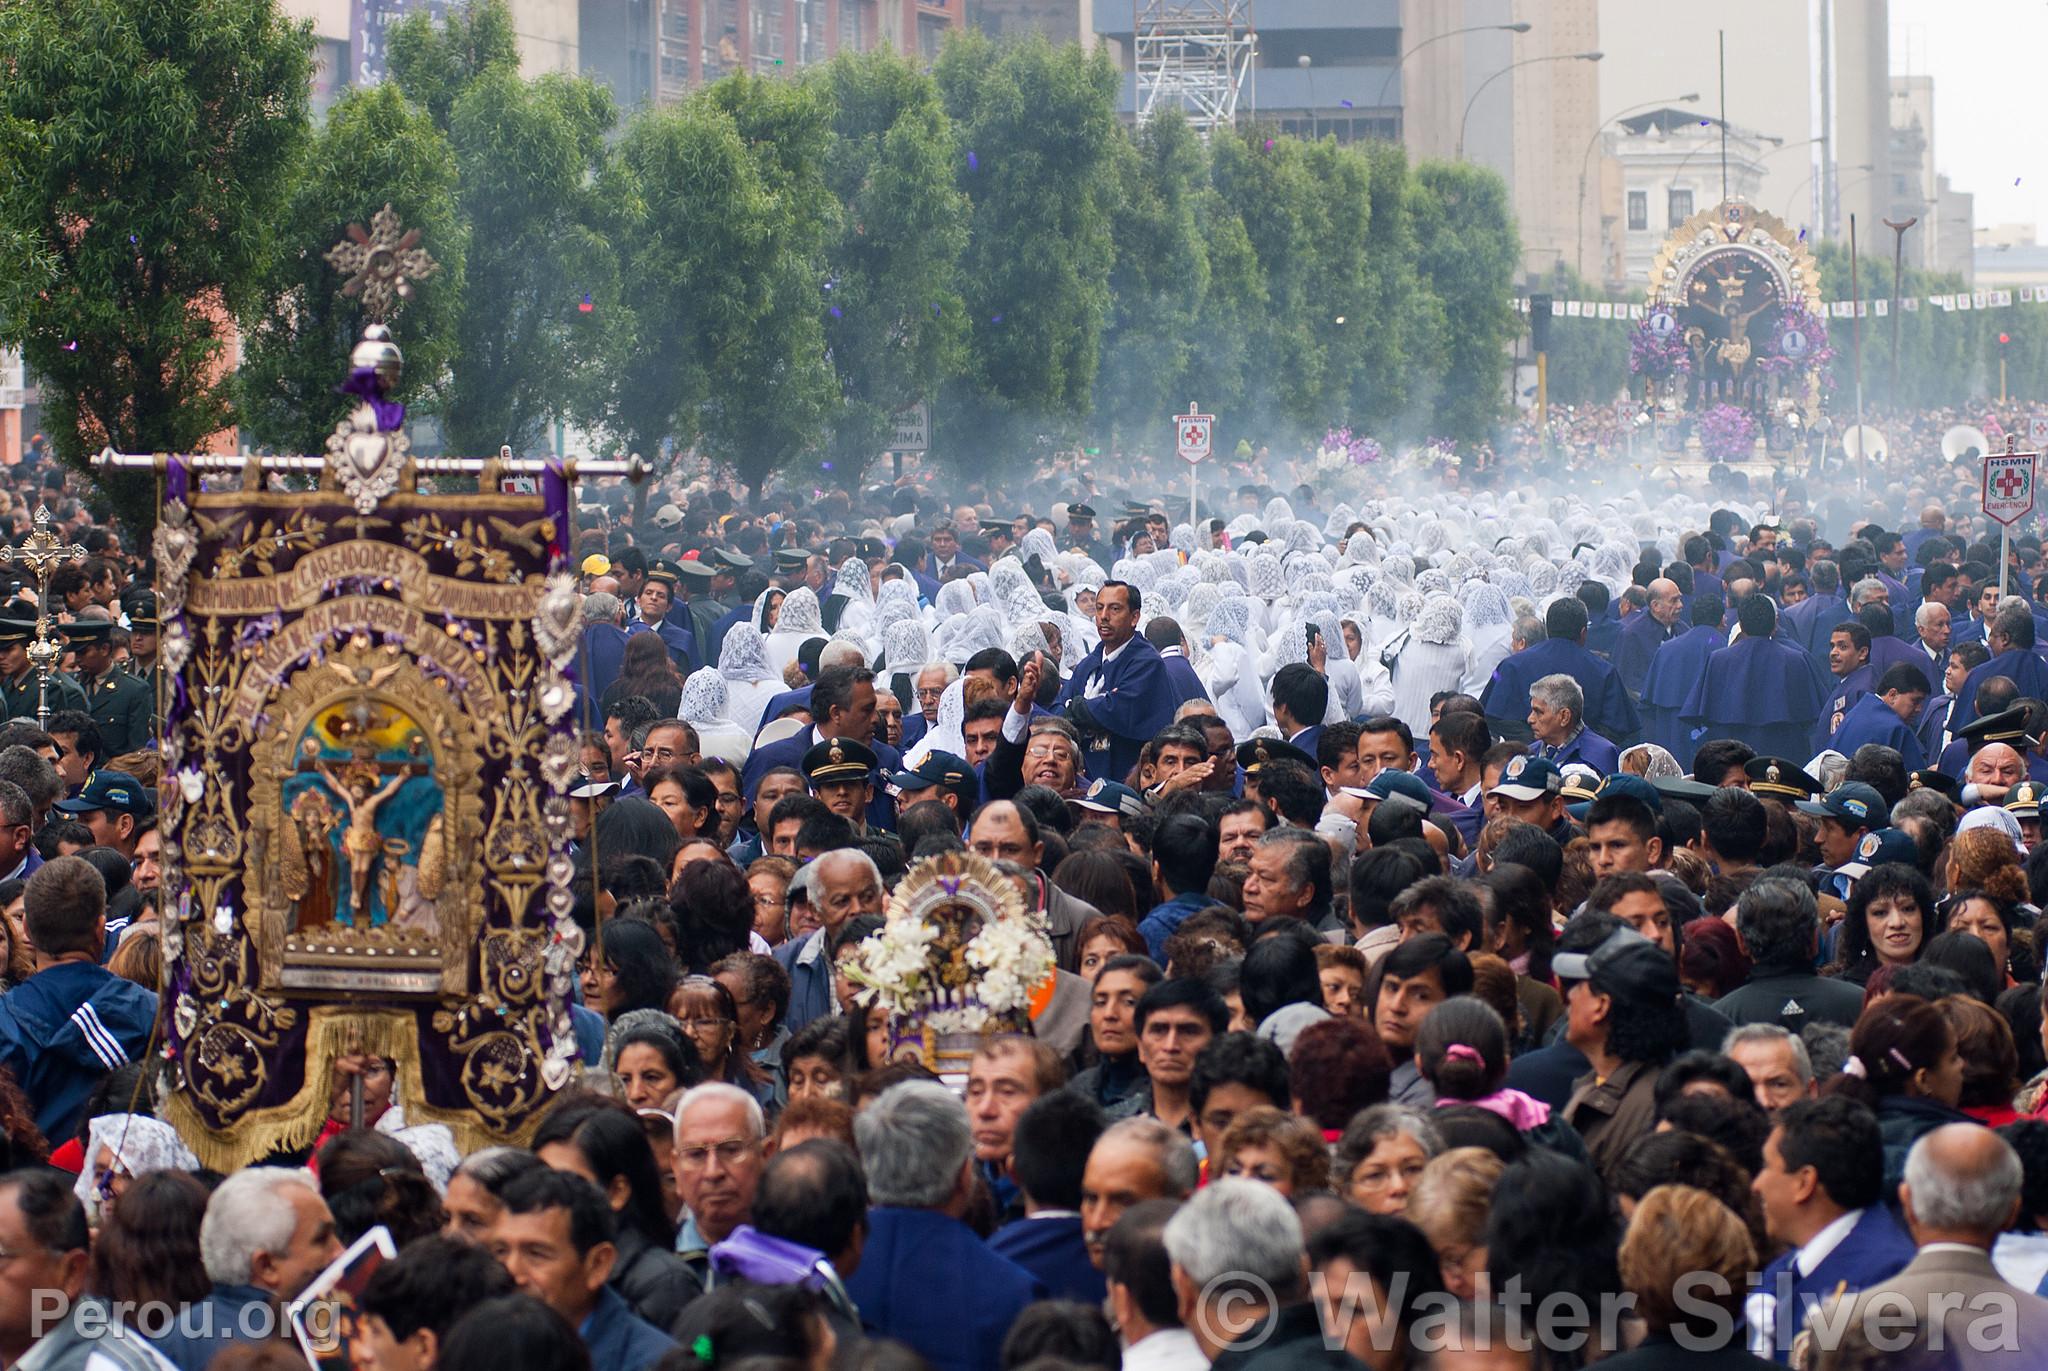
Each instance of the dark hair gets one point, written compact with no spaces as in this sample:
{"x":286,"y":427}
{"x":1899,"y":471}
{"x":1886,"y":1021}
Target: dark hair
{"x":1423,"y":953}
{"x":1520,"y":897}
{"x":1553,"y":1227}
{"x":1710,"y":953}
{"x":433,"y":1282}
{"x":1062,"y":1333}
{"x":637,"y":826}
{"x":1458,"y":911}
{"x":1699,"y":1065}
{"x":834,"y":689}
{"x":1187,"y":992}
{"x":1716,"y":757}
{"x":746,"y":1323}
{"x":613,"y":1145}
{"x":1303,"y":692}
{"x":646,"y":975}
{"x":590,"y":1215}
{"x":1970,"y":958}
{"x":1778,"y":921}
{"x":1099,"y":879}
{"x":1294,"y":792}
{"x":1279,"y":971}
{"x":1897,"y":1036}
{"x":813,"y":1193}
{"x":1526,"y":845}
{"x":1676,"y":1157}
{"x":822,"y":831}
{"x":1134,"y":1256}
{"x":823,"y":1037}
{"x":1338,"y":1067}
{"x":64,"y":902}
{"x":1136,"y":596}
{"x":1377,"y":875}
{"x":714,"y":909}
{"x":1396,"y":1255}
{"x":1840,"y":1139}
{"x":1244,"y":1059}
{"x":1467,"y":1022}
{"x":1050,"y":1146}
{"x":147,"y":1252}
{"x":514,"y":1330}
{"x":370,"y":1178}
{"x":1734,"y":823}
{"x":1184,"y":845}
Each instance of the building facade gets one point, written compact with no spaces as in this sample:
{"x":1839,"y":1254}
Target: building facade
{"x":1666,"y":165}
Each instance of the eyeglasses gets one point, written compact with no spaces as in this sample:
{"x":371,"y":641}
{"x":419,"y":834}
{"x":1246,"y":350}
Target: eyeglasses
{"x":729,"y":1153}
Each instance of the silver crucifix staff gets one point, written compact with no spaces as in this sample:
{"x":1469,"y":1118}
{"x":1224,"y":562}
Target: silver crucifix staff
{"x":41,"y":554}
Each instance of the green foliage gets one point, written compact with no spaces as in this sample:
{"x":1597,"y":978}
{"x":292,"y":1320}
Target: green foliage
{"x":895,"y":252}
{"x":434,"y":63}
{"x":772,"y":388}
{"x":1038,"y":125}
{"x":376,"y":149}
{"x":1159,"y":283}
{"x":1401,"y":323}
{"x":1467,"y":253}
{"x":1588,"y":357}
{"x":1942,"y":355}
{"x":145,"y":154}
{"x":1267,"y":185}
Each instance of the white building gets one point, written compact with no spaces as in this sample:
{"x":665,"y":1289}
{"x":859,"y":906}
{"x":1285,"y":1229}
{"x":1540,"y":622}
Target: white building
{"x":1668,"y":164}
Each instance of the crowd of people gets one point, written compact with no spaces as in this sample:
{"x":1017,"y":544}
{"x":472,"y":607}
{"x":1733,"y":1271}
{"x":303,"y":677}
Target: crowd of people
{"x":1496,"y":926}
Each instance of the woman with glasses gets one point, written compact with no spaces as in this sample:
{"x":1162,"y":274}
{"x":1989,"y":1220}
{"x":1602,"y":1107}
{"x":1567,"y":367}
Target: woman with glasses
{"x":760,"y":989}
{"x":709,"y":1014}
{"x":768,"y":881}
{"x":1382,"y":1155}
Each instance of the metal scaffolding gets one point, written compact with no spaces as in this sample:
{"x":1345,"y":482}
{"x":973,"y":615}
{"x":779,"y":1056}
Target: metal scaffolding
{"x":1194,"y":56}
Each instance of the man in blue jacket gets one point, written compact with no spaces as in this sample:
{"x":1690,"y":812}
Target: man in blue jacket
{"x":557,"y":1238}
{"x":925,"y":1279}
{"x":73,"y":1021}
{"x":1119,"y":696}
{"x":1822,"y":1189}
{"x":1609,"y":711}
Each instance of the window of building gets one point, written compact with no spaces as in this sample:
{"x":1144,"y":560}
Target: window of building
{"x":1638,"y":209}
{"x":1680,"y":206}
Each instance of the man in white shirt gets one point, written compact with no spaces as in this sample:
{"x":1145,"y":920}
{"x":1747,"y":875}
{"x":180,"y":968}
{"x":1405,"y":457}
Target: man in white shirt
{"x":1141,"y":1298}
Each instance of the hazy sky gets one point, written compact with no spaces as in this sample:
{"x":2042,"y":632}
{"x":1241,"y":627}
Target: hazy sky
{"x":1986,"y":60}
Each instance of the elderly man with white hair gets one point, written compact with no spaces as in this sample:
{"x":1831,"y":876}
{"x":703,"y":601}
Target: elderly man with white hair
{"x":718,"y":1159}
{"x":1557,"y":718}
{"x":1240,"y":1276}
{"x":1961,"y":1190}
{"x":924,"y":1277}
{"x":837,"y":886}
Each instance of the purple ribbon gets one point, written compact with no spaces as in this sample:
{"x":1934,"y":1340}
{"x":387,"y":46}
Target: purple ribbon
{"x":362,"y":383}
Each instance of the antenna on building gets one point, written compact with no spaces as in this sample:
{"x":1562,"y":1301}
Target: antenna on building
{"x":1193,"y":56}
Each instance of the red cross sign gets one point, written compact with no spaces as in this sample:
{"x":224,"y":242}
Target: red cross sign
{"x":1191,"y":435}
{"x":2009,"y":485}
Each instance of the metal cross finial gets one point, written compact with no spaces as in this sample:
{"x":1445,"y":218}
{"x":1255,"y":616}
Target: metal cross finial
{"x":40,"y":554}
{"x":381,"y":264}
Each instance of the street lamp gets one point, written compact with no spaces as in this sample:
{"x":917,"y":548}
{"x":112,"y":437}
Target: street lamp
{"x":1308,"y":66}
{"x":1586,"y":158}
{"x":1380,"y":100}
{"x":1525,"y":62}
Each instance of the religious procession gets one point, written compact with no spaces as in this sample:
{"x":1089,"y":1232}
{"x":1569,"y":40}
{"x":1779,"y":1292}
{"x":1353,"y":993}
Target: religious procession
{"x":644,"y":864}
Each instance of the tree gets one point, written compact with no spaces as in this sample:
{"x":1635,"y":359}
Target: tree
{"x":528,"y":158}
{"x":1467,"y":254}
{"x":145,"y":153}
{"x":1158,"y":285}
{"x":1588,"y":357}
{"x":434,"y":63}
{"x":1037,"y":124}
{"x":771,"y":386}
{"x":1403,"y":323}
{"x":896,"y":250}
{"x":1266,"y":183}
{"x":376,"y":149}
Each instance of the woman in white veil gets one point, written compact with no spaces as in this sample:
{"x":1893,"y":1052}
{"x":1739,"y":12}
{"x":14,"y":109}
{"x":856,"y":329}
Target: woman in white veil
{"x":707,"y":708}
{"x":1433,"y":659}
{"x":947,"y":733}
{"x":750,"y":682}
{"x":1230,"y":672}
{"x":798,"y":623}
{"x":1488,"y":623}
{"x":854,"y":590}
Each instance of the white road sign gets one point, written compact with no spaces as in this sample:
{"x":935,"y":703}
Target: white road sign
{"x":913,"y":429}
{"x":2009,"y":486}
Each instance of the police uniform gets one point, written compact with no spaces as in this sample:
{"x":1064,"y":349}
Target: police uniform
{"x":674,"y":628}
{"x":18,"y":694}
{"x":121,"y":706}
{"x":839,"y":759}
{"x":1780,"y":780}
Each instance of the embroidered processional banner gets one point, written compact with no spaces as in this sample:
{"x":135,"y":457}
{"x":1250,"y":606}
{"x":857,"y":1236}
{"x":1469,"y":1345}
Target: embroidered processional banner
{"x":367,"y":755}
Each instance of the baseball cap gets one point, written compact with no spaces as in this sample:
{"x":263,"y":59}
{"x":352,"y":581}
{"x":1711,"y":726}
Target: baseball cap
{"x":1389,"y":783}
{"x":1626,"y":965}
{"x":596,"y":564}
{"x":936,"y":768}
{"x":1620,"y":783}
{"x":1528,"y":778}
{"x":668,"y":516}
{"x":1876,"y":848}
{"x":115,"y":790}
{"x":1853,"y":803}
{"x":1108,"y":797}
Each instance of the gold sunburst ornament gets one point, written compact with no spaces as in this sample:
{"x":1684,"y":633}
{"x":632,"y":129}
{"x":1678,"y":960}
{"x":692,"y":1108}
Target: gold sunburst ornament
{"x":381,"y":264}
